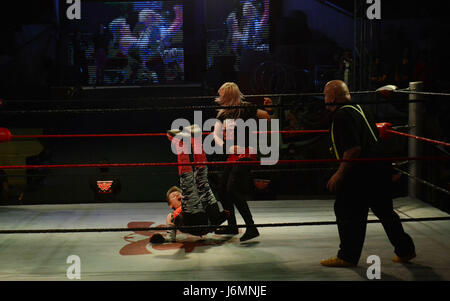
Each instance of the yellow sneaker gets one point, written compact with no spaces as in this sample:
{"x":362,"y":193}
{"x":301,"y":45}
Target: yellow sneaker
{"x":403,"y":258}
{"x":336,"y":262}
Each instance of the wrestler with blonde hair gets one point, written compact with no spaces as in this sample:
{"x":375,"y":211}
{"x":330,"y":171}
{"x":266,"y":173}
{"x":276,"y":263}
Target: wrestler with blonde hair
{"x":236,"y":181}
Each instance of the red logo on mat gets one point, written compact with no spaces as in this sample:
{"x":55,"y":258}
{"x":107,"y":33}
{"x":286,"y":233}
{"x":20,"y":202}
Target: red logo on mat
{"x":104,"y":186}
{"x":138,"y":242}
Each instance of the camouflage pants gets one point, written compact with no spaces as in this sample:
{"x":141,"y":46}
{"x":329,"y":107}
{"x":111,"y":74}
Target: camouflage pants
{"x":197,"y":194}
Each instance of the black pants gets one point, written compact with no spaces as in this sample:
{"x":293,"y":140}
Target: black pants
{"x":235,"y":186}
{"x":357,"y":193}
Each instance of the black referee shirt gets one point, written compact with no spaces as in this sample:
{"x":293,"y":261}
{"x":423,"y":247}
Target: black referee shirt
{"x":350,"y":130}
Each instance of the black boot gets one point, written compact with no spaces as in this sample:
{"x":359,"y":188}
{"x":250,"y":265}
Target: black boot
{"x":251,"y":232}
{"x":244,"y":210}
{"x":232,"y":228}
{"x":216,"y":216}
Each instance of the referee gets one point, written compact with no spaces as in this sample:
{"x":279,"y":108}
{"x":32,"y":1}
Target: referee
{"x":360,"y":186}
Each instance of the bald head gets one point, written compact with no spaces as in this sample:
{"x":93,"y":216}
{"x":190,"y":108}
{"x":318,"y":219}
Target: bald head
{"x":336,"y":91}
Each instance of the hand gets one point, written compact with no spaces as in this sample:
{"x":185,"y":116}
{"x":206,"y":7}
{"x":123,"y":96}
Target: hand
{"x":334,"y":182}
{"x":268,"y":102}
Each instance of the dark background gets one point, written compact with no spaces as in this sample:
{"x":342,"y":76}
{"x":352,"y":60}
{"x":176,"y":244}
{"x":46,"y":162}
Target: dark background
{"x":308,"y":41}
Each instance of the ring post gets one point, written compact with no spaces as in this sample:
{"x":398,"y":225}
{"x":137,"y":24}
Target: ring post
{"x":414,"y":148}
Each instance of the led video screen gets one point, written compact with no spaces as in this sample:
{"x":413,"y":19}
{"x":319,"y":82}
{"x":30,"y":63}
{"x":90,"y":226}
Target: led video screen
{"x":234,"y":27}
{"x":128,"y":43}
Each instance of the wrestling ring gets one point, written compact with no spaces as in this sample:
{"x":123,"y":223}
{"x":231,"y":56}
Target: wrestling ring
{"x":112,"y":239}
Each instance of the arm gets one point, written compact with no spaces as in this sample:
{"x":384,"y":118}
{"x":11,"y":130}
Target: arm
{"x":265,"y":114}
{"x":169,"y":220}
{"x":218,"y":134}
{"x":343,"y":169}
{"x":261,"y":114}
{"x":265,"y":16}
{"x":352,"y":153}
{"x":176,"y":24}
{"x":348,"y":139}
{"x":172,"y":237}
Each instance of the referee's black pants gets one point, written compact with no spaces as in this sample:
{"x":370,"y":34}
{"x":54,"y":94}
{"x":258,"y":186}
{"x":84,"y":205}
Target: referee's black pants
{"x":357,"y":193}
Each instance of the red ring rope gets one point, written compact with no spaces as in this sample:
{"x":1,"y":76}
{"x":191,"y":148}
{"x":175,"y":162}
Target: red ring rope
{"x":152,"y":134}
{"x":86,"y":136}
{"x":157,"y":164}
{"x":418,"y":138}
{"x":387,"y":130}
